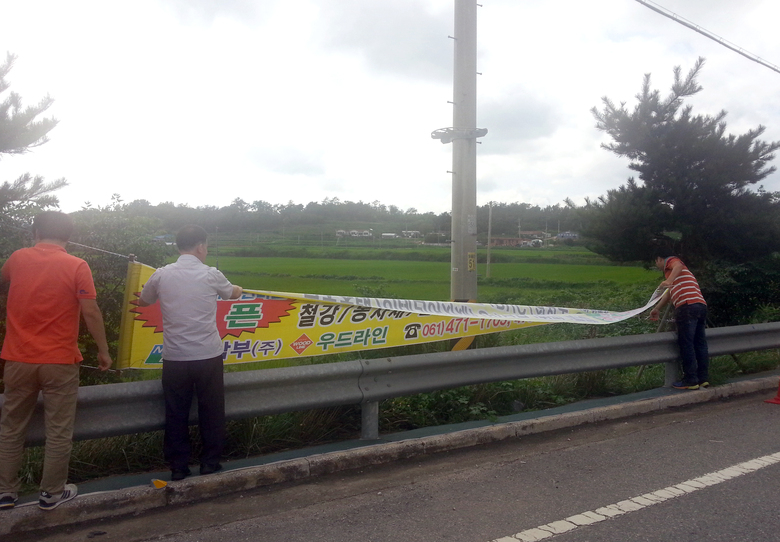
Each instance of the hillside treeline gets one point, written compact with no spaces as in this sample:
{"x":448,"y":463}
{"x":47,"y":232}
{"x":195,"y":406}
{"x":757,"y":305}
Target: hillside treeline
{"x":332,"y":214}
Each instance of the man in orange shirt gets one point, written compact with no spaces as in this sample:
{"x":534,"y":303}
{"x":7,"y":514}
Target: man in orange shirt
{"x":47,"y":291}
{"x":690,"y":316}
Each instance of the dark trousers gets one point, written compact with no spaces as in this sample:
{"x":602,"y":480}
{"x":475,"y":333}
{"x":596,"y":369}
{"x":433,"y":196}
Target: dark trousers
{"x":691,"y":321}
{"x":180,"y":381}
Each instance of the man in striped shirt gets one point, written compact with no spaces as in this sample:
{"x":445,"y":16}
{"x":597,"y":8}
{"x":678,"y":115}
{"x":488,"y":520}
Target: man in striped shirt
{"x":690,"y":315}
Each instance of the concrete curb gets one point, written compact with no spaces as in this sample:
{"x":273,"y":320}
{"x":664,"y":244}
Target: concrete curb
{"x":136,"y":500}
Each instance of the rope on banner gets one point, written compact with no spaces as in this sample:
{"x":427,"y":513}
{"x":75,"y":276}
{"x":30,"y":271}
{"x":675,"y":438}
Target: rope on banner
{"x":130,"y":257}
{"x":127,"y":257}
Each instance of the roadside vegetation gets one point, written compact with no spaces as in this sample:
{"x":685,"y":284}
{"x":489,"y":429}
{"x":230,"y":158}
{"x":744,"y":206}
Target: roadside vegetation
{"x":556,"y":284}
{"x":696,"y":192}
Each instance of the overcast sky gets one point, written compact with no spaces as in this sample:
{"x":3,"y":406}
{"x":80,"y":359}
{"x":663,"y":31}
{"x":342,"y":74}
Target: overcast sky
{"x":200,"y":102}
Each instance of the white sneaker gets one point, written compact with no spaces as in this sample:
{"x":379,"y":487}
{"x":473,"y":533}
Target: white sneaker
{"x":49,"y":502}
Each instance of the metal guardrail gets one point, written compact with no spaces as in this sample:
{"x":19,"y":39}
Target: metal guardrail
{"x":137,"y":407}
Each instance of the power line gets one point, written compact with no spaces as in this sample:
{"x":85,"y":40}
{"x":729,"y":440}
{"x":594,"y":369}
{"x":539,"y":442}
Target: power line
{"x":736,"y":48}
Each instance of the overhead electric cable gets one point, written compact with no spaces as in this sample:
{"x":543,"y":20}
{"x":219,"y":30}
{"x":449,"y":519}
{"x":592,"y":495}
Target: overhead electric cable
{"x":736,"y":48}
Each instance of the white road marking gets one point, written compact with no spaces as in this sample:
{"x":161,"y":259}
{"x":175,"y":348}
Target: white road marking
{"x":642,"y":501}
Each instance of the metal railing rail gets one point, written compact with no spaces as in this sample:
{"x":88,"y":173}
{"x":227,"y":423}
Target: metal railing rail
{"x":137,"y":407}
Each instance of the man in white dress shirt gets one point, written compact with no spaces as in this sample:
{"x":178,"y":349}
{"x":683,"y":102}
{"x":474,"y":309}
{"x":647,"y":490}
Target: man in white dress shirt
{"x":192,"y":350}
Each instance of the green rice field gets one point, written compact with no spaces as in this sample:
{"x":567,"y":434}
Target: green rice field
{"x":428,"y":280}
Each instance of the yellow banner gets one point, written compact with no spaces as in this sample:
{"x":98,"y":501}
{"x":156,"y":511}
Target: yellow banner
{"x":264,"y":325}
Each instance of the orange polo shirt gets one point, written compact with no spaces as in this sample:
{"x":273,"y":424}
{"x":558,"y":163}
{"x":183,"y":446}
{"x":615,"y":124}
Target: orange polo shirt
{"x":42,"y":321}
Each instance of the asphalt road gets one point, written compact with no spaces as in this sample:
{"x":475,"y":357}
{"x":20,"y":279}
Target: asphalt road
{"x":496,"y":491}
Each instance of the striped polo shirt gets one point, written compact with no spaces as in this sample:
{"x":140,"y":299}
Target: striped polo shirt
{"x":685,"y":290}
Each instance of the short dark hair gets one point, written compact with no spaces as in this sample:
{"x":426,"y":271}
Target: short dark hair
{"x":53,"y":225}
{"x":663,"y":253}
{"x":190,"y":236}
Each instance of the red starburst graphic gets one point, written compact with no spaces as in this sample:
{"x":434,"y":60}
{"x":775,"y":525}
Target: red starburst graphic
{"x":233,"y":316}
{"x":149,"y":315}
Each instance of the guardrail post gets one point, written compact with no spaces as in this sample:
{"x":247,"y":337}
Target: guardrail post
{"x":672,"y":373}
{"x":369,"y":427}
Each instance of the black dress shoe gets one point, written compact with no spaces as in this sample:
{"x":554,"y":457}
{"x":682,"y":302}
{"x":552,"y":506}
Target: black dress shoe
{"x":180,"y":474}
{"x":210,"y":469}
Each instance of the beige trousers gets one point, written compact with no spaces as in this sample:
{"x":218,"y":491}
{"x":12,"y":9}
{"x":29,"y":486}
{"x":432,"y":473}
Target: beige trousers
{"x":59,"y":385}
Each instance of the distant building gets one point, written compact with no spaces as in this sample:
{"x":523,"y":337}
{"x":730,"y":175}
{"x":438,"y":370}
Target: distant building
{"x":533,"y":234}
{"x":389,"y":236}
{"x":505,"y":242}
{"x":168,"y":239}
{"x":353,"y":233}
{"x":525,"y":239}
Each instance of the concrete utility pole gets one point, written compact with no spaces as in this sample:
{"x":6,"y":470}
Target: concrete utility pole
{"x":490,"y":235}
{"x":463,"y":136}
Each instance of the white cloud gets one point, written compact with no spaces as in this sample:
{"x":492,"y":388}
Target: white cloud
{"x":404,"y":37}
{"x":203,"y":101}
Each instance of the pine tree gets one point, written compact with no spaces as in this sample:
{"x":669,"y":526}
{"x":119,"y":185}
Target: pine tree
{"x":695,"y":181}
{"x":20,"y":131}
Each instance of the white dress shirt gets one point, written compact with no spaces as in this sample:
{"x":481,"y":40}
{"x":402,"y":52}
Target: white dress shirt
{"x":188,"y":291}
